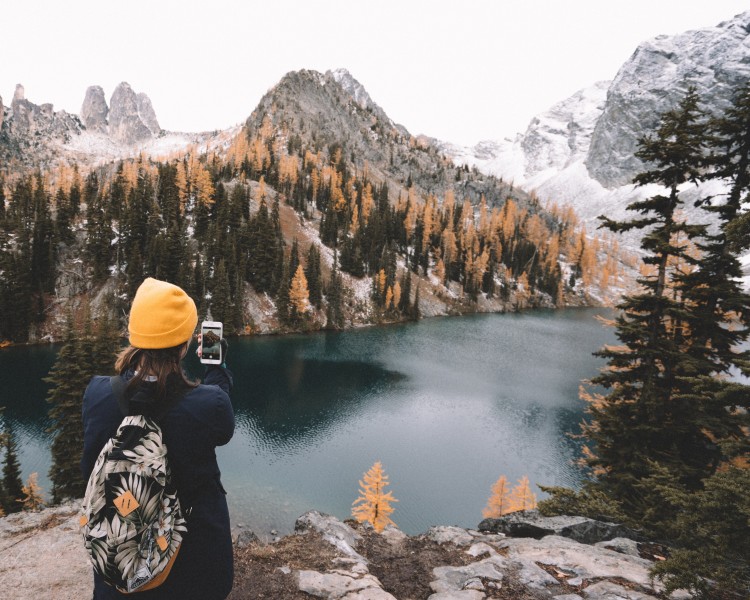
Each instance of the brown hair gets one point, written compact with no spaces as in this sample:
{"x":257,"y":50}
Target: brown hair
{"x":162,"y":363}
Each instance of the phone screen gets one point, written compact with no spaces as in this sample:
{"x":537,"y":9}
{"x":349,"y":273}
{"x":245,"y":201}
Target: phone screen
{"x":211,"y":343}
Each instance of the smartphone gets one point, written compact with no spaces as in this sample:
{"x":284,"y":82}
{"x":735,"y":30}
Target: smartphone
{"x":211,"y":333}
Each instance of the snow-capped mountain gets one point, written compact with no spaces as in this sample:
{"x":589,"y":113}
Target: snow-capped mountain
{"x":581,"y":151}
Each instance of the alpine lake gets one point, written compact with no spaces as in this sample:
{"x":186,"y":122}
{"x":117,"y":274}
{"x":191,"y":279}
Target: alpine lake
{"x":447,"y":405}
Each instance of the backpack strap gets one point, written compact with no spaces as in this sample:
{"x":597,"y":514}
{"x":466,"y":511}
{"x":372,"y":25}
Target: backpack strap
{"x":118,"y":388}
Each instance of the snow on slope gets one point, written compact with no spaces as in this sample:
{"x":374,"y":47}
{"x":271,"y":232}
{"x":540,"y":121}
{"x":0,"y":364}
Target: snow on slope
{"x":597,"y":126}
{"x":96,"y":148}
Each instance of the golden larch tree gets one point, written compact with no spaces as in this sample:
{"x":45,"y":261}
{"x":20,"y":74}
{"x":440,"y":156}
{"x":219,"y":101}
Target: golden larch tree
{"x":32,"y":494}
{"x":299,"y":295}
{"x":374,"y":504}
{"x":522,"y":498}
{"x":499,"y":502}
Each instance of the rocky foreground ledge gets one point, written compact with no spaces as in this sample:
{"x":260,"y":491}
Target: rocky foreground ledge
{"x":567,"y":558}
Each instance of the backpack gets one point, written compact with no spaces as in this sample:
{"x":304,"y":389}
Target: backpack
{"x":131,"y":519}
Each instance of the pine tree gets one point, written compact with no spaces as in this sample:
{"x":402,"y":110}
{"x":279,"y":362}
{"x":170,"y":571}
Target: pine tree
{"x":711,"y":555}
{"x":12,"y":481}
{"x":313,"y":275}
{"x":637,"y":422}
{"x":68,"y":377}
{"x":221,"y":307}
{"x":374,"y":504}
{"x":499,"y":502}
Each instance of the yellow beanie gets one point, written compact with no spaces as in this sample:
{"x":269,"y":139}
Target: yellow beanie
{"x":162,"y":315}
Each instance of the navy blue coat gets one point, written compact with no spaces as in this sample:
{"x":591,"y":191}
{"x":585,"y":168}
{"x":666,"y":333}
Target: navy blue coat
{"x":200,"y":421}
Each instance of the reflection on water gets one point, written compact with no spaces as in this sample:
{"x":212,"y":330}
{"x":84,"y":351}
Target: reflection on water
{"x":447,"y":405}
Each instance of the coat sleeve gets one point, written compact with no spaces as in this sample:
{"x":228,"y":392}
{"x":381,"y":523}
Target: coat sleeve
{"x":223,"y":418}
{"x":219,"y":376}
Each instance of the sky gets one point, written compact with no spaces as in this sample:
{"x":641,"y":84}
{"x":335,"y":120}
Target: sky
{"x":460,"y":71}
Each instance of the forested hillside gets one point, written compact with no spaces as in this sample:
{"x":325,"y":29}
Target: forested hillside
{"x":321,"y":212}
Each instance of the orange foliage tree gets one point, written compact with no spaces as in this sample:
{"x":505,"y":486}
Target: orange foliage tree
{"x":374,"y":504}
{"x":504,"y":501}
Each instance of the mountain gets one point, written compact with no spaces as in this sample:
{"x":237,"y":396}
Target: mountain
{"x":30,"y":133}
{"x":34,"y":135}
{"x":333,"y":109}
{"x":581,"y":151}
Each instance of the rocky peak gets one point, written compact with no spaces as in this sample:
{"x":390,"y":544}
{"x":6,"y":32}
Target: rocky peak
{"x":147,"y":113}
{"x":125,"y":123}
{"x":19,"y":94}
{"x":654,"y":79}
{"x":352,"y":87}
{"x":94,"y":110}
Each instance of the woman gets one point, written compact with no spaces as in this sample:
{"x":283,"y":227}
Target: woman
{"x":194,"y":420}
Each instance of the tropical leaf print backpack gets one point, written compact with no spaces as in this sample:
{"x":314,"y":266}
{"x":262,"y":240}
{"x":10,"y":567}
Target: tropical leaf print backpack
{"x":131,"y":520}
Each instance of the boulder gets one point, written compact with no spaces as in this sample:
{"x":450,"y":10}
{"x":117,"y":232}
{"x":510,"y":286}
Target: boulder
{"x":531,"y":524}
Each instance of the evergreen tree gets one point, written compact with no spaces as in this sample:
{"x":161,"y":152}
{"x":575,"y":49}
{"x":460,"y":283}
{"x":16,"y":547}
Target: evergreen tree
{"x":637,"y":423}
{"x":313,"y":275}
{"x":2,"y":200}
{"x":12,"y":482}
{"x":68,"y":377}
{"x":712,"y":535}
{"x":221,"y":302}
{"x":282,"y":297}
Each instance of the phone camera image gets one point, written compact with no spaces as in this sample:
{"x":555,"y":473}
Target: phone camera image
{"x":211,"y":344}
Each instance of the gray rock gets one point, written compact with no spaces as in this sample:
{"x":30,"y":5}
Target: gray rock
{"x":2,"y":112}
{"x":125,"y":123}
{"x":621,"y":545}
{"x":333,"y":531}
{"x":245,"y":537}
{"x":523,"y":570}
{"x":369,"y":594}
{"x":336,"y":585}
{"x":460,"y":595}
{"x":393,"y":535}
{"x":480,"y":549}
{"x":449,"y":534}
{"x":533,"y":525}
{"x":455,"y":579}
{"x":584,"y":561}
{"x":147,"y":114}
{"x":568,"y":597}
{"x":94,"y":110}
{"x":606,"y":590}
{"x":654,"y":79}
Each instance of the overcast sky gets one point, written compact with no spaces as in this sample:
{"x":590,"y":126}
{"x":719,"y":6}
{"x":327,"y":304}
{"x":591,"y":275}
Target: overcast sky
{"x":462,"y":71}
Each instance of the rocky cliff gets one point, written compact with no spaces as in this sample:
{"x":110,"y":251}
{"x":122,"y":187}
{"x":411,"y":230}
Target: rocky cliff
{"x":581,"y":151}
{"x":30,"y":133}
{"x":44,"y":557}
{"x":334,"y":110}
{"x":714,"y":60}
